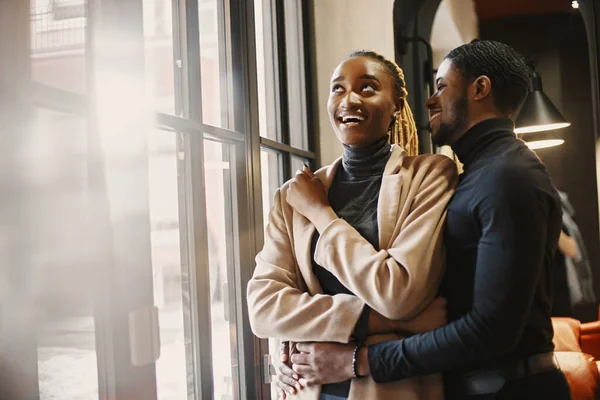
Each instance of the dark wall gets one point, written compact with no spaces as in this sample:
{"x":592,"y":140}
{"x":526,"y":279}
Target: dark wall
{"x":559,"y":42}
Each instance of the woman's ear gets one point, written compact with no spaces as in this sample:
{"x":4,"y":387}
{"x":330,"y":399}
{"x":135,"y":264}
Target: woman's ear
{"x":399,"y":105}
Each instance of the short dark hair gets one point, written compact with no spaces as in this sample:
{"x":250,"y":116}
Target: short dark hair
{"x":506,"y":68}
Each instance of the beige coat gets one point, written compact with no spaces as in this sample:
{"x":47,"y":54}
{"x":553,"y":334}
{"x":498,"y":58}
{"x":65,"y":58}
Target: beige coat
{"x":285,"y":298}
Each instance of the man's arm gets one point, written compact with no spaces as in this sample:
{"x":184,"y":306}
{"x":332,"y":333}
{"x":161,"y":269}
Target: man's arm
{"x":432,"y":317}
{"x":515,"y":221}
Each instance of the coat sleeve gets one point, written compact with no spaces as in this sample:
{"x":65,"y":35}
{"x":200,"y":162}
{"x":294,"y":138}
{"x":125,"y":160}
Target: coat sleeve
{"x":401,"y":281}
{"x":280,"y":308}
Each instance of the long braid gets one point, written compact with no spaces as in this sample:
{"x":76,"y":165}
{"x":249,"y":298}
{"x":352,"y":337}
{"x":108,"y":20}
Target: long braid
{"x":403,"y":130}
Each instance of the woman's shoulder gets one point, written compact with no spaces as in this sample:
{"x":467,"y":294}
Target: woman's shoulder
{"x":430,"y":159}
{"x":429,"y":166}
{"x":429,"y":162}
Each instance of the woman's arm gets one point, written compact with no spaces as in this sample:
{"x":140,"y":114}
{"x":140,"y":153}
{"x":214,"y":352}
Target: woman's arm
{"x":280,"y":307}
{"x":398,"y":282}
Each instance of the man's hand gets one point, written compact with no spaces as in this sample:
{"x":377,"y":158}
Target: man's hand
{"x":307,"y":196}
{"x":434,"y":316}
{"x":567,"y":245}
{"x":321,"y":363}
{"x":286,"y":379}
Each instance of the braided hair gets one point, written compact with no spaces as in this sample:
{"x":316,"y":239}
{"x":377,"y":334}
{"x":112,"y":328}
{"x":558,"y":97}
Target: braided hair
{"x":403,"y":130}
{"x":506,"y":68}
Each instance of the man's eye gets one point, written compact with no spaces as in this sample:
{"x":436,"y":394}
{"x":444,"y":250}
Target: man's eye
{"x":337,"y":88}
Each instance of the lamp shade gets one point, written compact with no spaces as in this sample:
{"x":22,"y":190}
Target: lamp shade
{"x":542,"y":139}
{"x":537,"y":112}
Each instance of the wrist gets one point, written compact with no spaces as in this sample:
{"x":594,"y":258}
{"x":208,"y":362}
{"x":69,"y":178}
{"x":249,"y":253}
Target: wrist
{"x":402,"y":326}
{"x":322,"y":217}
{"x":380,"y":324}
{"x":355,"y":373}
{"x":362,"y":362}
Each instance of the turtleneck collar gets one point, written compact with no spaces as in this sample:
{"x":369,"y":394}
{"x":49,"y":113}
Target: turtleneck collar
{"x":367,"y":161}
{"x":479,"y":137}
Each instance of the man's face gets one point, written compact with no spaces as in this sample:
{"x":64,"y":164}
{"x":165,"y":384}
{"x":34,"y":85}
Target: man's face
{"x":448,"y":106}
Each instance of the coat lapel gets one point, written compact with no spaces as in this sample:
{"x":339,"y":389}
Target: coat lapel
{"x":387,"y":214}
{"x":304,"y":231}
{"x":389,"y":197}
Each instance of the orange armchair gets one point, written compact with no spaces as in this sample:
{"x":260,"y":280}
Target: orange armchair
{"x":577,"y":349}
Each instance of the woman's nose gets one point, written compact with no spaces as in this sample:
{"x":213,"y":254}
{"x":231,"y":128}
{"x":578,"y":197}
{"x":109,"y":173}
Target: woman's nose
{"x":351,"y":98}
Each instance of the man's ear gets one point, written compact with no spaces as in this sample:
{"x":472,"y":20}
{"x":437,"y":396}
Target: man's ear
{"x":481,"y":87}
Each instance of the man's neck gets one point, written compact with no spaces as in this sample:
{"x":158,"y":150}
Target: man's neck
{"x":472,"y":121}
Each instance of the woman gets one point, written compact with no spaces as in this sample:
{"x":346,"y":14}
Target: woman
{"x":356,"y":248}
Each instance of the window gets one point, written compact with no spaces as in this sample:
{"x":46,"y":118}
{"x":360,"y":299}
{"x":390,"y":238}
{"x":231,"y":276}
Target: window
{"x":161,"y":65}
{"x":269,"y":105}
{"x":296,"y":82}
{"x":281,"y":90}
{"x":57,"y":45}
{"x":282,"y":93}
{"x":169,"y":273}
{"x":272,"y":179}
{"x":220,"y":173}
{"x":66,"y":350}
{"x":157,"y":146}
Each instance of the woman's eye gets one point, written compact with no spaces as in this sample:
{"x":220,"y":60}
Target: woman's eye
{"x":368,"y":88}
{"x":337,"y":89}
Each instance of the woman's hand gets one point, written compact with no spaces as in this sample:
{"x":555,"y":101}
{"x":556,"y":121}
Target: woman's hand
{"x":286,"y":379}
{"x":321,"y":363}
{"x":307,"y":196}
{"x":306,"y":193}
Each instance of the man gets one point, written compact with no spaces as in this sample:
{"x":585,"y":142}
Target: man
{"x":501,"y":233}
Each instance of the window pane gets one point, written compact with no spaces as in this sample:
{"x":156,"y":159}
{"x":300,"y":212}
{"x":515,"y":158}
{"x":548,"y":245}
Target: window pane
{"x":62,"y":280}
{"x":159,"y":63}
{"x":271,"y":177}
{"x":213,"y":64}
{"x":297,"y":163}
{"x":296,"y":82}
{"x":268,"y":104}
{"x":58,"y":44}
{"x":219,"y":171}
{"x":169,"y":274}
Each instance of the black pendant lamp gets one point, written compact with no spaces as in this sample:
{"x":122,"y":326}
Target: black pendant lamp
{"x":542,"y":140}
{"x":537,"y":113}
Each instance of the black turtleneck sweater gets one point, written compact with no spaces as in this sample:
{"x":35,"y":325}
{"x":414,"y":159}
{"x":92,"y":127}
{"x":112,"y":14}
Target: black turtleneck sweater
{"x":353,"y":196}
{"x":501,"y":233}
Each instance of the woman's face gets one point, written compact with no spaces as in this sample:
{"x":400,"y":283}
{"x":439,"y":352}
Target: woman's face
{"x":361,"y":101}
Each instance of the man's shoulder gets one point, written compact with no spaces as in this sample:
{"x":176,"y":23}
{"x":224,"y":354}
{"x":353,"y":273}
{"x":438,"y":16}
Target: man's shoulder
{"x":510,"y":178}
{"x":504,"y":170}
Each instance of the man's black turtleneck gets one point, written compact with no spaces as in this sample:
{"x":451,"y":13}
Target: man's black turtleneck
{"x":353,"y":196}
{"x":501,"y":234}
